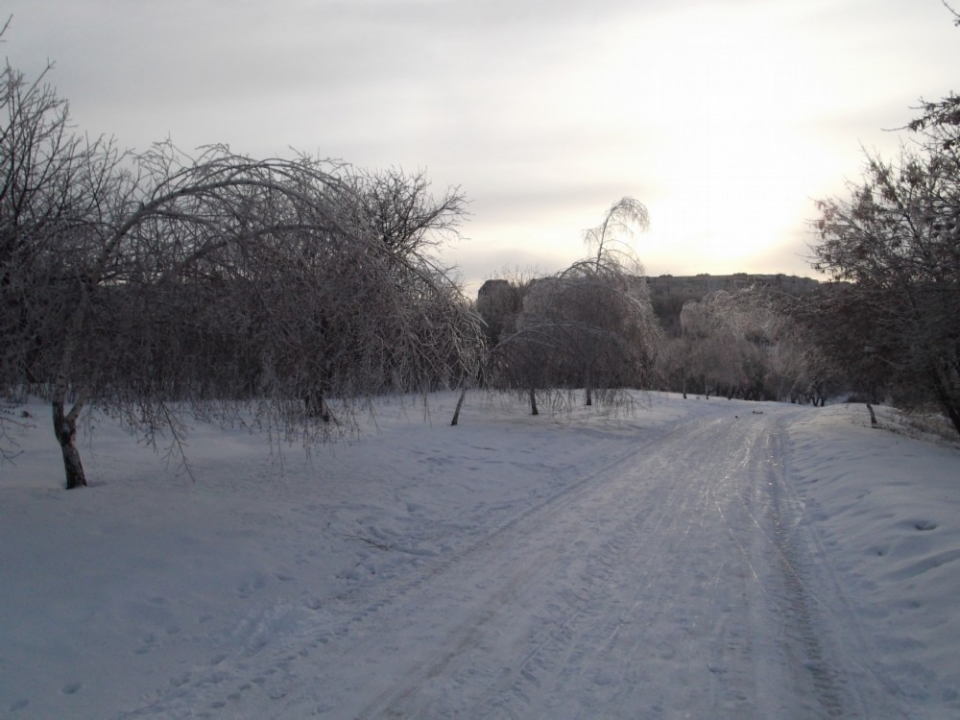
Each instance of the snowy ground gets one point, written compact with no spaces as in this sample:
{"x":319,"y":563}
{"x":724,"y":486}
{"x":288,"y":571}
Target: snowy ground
{"x":701,"y":559}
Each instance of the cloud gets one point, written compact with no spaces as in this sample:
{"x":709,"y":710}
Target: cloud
{"x":723,"y":116}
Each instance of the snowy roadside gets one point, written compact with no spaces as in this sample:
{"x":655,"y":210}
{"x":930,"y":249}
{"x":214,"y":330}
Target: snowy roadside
{"x":888,"y":510}
{"x":115,"y":594}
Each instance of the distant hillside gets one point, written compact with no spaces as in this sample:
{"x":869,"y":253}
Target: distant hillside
{"x":696,"y":286}
{"x":668,"y":293}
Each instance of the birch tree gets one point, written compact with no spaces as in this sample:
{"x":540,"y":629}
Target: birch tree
{"x":589,"y":326}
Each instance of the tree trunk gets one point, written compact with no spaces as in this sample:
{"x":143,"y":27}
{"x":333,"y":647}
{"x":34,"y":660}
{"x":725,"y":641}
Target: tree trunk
{"x":456,"y":413}
{"x":315,"y":405}
{"x":873,"y":415}
{"x":589,"y":396}
{"x":65,"y":429}
{"x":533,"y":402}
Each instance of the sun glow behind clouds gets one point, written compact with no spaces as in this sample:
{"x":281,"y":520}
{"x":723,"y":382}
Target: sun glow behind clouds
{"x":725,"y":117}
{"x":703,"y":115}
{"x":722,"y":101}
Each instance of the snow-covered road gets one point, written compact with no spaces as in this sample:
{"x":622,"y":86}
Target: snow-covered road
{"x":678,"y":579}
{"x":693,"y":559}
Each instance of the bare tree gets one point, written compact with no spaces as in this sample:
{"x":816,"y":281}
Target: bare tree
{"x":612,"y":296}
{"x":624,"y":217}
{"x":402,"y":213}
{"x":894,"y":246}
{"x":590,"y":326}
{"x":53,"y":186}
{"x":405,"y":223}
{"x":897,"y":242}
{"x":159,"y":284}
{"x":746,"y":344}
{"x":499,"y":302}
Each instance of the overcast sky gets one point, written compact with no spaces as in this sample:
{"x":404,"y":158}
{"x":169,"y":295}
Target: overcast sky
{"x":725,"y":117}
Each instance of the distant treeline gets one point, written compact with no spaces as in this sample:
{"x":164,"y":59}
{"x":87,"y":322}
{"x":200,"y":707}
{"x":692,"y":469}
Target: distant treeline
{"x":668,"y":293}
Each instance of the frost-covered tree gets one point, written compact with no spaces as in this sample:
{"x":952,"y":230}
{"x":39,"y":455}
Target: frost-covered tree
{"x":161,"y":284}
{"x":590,"y":326}
{"x":499,"y":302}
{"x":893,"y":245}
{"x":744,"y":344}
{"x":896,"y":243}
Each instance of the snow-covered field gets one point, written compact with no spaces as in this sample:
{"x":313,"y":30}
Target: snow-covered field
{"x":701,"y":559}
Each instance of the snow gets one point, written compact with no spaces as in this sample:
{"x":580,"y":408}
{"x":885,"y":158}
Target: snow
{"x":693,"y":558}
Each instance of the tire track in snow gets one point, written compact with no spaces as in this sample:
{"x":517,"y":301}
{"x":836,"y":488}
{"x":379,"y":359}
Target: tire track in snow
{"x":821,"y":654}
{"x":205,"y":692}
{"x":669,"y":582}
{"x":795,"y":660}
{"x":626,"y":600}
{"x":837,"y":652}
{"x":530,"y":542}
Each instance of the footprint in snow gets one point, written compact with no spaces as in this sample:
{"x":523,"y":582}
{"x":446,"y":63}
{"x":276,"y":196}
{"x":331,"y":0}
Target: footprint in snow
{"x":313,"y":603}
{"x":148,"y":641}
